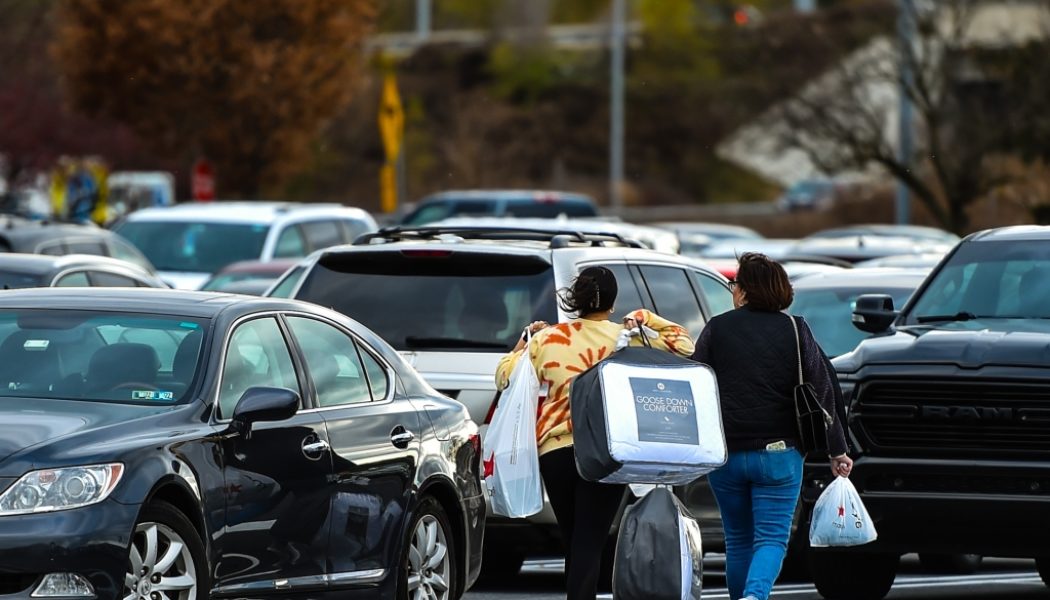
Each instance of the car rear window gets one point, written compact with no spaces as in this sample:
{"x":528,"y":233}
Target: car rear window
{"x":436,"y":299}
{"x":195,"y":247}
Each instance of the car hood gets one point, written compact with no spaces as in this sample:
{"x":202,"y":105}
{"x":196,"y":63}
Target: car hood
{"x":184,"y":280}
{"x":968,"y":345}
{"x":25,"y":423}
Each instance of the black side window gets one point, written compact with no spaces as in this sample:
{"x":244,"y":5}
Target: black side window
{"x":673,"y":296}
{"x":719,"y":298}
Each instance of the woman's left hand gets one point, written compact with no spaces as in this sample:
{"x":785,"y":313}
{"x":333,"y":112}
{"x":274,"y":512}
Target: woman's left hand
{"x":842,"y":465}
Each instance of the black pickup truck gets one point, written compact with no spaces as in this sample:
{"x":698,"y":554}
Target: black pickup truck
{"x":949,"y":415}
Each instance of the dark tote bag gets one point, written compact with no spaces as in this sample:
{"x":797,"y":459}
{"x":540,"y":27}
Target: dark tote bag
{"x":813,"y":420}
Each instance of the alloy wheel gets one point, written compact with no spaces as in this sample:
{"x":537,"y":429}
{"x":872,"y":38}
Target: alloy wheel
{"x":428,"y":561}
{"x":161,"y":565}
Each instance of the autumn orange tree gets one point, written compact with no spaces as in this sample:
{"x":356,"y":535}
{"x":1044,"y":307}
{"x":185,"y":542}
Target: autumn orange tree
{"x":247,"y":84}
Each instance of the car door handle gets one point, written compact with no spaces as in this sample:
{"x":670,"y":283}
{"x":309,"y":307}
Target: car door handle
{"x":312,"y":449}
{"x":401,"y":437}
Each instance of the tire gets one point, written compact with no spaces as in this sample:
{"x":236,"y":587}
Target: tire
{"x":428,"y":560}
{"x":853,"y":575}
{"x":951,"y":564}
{"x":166,"y":554}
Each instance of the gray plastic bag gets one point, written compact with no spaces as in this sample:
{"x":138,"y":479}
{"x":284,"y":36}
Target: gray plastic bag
{"x":658,"y":552}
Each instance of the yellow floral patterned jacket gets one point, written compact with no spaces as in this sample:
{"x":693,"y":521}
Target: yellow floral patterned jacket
{"x":561,"y":352}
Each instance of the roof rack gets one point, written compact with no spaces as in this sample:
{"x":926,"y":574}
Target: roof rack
{"x":558,"y":238}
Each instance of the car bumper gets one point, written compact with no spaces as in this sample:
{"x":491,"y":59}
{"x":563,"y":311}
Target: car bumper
{"x":91,"y":541}
{"x":993,"y":508}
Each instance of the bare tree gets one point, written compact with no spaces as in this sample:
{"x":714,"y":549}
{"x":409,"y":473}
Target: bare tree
{"x":847,"y":119}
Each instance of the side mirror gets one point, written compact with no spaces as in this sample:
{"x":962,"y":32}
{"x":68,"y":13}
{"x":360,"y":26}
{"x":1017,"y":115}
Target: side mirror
{"x":874,"y":313}
{"x":259,"y":404}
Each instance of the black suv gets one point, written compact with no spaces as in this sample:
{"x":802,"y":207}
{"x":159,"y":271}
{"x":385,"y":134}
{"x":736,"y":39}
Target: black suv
{"x":949,"y":412}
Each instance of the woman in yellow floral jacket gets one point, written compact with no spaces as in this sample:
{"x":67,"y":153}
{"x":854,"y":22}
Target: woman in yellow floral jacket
{"x":585,"y":510}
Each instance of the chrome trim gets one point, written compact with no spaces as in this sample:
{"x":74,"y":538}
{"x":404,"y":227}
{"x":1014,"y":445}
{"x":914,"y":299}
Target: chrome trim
{"x":222,"y":360}
{"x":332,"y":581}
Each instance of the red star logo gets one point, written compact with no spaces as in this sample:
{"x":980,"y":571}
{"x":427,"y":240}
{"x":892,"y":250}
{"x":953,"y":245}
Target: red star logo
{"x":490,"y":466}
{"x":842,"y":511}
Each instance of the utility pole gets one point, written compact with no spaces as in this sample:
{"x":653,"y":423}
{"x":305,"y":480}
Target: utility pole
{"x":805,"y":6}
{"x":423,"y":19}
{"x":616,"y":105}
{"x":905,"y":142}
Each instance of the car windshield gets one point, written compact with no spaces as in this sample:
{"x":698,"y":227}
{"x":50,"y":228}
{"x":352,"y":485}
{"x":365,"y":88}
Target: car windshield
{"x":12,"y":280}
{"x":829,"y":312}
{"x":988,"y":280}
{"x":98,"y":356}
{"x":195,"y":247}
{"x":436,"y":300}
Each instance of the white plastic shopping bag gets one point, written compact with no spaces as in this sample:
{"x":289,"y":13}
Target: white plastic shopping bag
{"x":839,"y":518}
{"x":510,"y":457}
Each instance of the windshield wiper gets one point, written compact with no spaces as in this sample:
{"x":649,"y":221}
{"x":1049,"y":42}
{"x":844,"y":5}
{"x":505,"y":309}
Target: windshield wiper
{"x":444,"y":342}
{"x":959,"y":316}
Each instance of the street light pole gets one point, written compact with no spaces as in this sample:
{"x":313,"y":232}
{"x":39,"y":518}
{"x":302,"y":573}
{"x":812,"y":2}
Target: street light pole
{"x":616,"y":106}
{"x":423,"y":19}
{"x":905,"y":142}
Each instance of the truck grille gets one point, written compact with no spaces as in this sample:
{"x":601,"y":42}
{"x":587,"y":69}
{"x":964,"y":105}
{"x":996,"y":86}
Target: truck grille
{"x":984,"y":418}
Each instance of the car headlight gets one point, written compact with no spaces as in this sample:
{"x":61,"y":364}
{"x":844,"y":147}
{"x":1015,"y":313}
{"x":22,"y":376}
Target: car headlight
{"x":49,"y":490}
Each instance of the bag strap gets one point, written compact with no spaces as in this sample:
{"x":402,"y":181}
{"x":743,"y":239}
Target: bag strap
{"x":798,"y":348}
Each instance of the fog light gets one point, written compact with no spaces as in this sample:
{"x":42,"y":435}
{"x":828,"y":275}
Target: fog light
{"x":64,"y":585}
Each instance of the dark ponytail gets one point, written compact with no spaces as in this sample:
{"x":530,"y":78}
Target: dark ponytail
{"x":593,"y":291}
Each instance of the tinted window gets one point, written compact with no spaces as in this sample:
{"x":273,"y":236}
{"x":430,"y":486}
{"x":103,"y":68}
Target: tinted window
{"x":322,"y":234}
{"x":378,"y":379}
{"x":999,"y":279}
{"x":673,"y":297}
{"x":829,"y":313}
{"x":103,"y":279}
{"x":448,"y":300}
{"x":55,"y":248}
{"x":257,"y":356}
{"x":124,"y":251}
{"x":290,"y":244}
{"x":195,"y":247}
{"x":719,"y":298}
{"x":10,"y":280}
{"x":628,"y":297}
{"x":285,"y":287}
{"x":76,"y":279}
{"x":96,"y":248}
{"x":353,"y":228}
{"x":128,"y":358}
{"x":541,"y":209}
{"x":429,"y":212}
{"x":333,"y":362}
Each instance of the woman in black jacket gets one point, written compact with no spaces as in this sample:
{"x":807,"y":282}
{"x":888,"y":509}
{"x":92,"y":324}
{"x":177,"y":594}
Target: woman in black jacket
{"x":753,"y":352}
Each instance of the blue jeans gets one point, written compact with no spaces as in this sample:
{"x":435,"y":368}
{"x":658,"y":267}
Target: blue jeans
{"x":757,"y":491}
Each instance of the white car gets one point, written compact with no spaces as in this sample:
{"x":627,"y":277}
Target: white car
{"x":189,"y":242}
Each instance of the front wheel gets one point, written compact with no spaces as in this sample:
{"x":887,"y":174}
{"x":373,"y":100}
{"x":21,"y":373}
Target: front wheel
{"x":842,"y":575}
{"x":166,"y":557}
{"x":428,"y":567}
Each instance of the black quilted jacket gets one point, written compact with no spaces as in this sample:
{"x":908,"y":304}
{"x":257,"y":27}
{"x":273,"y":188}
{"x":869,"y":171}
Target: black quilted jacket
{"x":753,"y":354}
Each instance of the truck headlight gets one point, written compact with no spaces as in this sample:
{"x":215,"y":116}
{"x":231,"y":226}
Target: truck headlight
{"x":49,"y":490}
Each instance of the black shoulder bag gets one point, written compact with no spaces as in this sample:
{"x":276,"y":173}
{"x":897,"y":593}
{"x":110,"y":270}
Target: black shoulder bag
{"x":813,"y":420}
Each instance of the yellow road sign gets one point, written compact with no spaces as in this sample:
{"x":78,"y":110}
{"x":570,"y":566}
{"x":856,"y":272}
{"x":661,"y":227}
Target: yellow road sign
{"x":391,"y":118}
{"x":388,"y":188}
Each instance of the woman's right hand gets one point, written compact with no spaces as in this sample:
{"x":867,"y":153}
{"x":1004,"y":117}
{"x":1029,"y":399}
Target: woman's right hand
{"x":842,"y":465}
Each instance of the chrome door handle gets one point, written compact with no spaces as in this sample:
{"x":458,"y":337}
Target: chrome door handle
{"x":315,"y":448}
{"x":402,"y":438}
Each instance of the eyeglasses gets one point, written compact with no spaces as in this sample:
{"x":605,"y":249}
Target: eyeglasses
{"x":732,"y":284}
